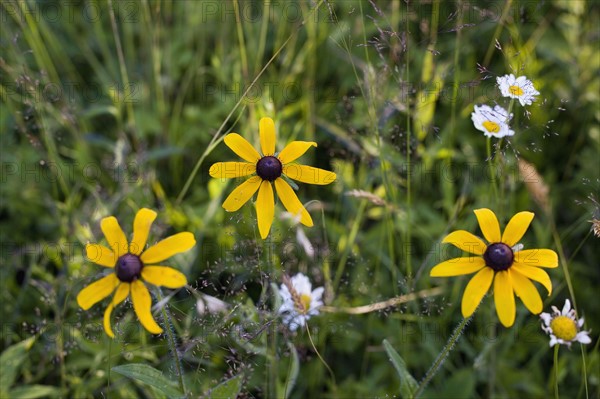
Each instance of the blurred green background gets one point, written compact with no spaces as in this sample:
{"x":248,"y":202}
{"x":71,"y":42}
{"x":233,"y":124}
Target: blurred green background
{"x":107,"y":107}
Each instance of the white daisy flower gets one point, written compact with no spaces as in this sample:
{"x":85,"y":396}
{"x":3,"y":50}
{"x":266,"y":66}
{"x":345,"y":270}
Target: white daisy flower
{"x":520,"y":88}
{"x":563,"y":327}
{"x":299,"y":302}
{"x":492,"y":122}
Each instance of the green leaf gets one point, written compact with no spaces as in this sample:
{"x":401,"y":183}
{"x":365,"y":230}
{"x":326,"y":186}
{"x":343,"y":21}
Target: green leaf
{"x":33,"y":391}
{"x":227,"y":389}
{"x":408,"y":385}
{"x":150,"y":376}
{"x":10,"y":363}
{"x":292,"y":376}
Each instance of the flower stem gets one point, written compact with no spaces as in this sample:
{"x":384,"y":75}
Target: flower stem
{"x":556,"y":395}
{"x":458,"y":331}
{"x":171,"y":339}
{"x":492,"y":171}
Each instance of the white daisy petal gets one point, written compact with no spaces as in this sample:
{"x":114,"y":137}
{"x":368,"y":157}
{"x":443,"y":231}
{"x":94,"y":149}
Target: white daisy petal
{"x":492,"y":122}
{"x":563,"y":326}
{"x":520,"y":88}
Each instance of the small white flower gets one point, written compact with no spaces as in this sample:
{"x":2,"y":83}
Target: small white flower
{"x":492,"y":122}
{"x":563,"y":327}
{"x":210,"y":304}
{"x":299,"y":302}
{"x":520,"y":88}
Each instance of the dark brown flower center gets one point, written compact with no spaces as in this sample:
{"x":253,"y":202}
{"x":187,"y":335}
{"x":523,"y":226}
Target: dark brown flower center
{"x":498,"y":256}
{"x":129,"y":268}
{"x":269,"y":168}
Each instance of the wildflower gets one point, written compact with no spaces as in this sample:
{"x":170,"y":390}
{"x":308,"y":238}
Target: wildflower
{"x":563,"y":327}
{"x":501,"y":261}
{"x":131,"y":268}
{"x":520,"y":88}
{"x":268,"y":169}
{"x":299,"y":302}
{"x":492,"y":122}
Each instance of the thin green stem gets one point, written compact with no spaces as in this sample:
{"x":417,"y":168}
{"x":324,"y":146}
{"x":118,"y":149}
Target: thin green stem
{"x":458,"y":331}
{"x":491,"y":166}
{"x":556,"y":395}
{"x":171,"y":339}
{"x":407,"y":238}
{"x":321,"y":357}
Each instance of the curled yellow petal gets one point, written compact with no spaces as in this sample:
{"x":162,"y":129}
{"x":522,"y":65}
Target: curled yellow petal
{"x":164,"y":276}
{"x":295,"y":150}
{"x":114,"y":235}
{"x":230,"y":170}
{"x":504,"y":299}
{"x":97,"y":291}
{"x":168,"y":247}
{"x":516,"y":228}
{"x":466,"y":241}
{"x":120,"y":294}
{"x":265,"y":208}
{"x":142,"y":304}
{"x":535,"y":274}
{"x":458,"y":267}
{"x":475,"y":290}
{"x":526,"y":291}
{"x":488,"y":223}
{"x":141,"y":229}
{"x":309,"y":174}
{"x":266,"y":129}
{"x":242,"y":147}
{"x":100,"y":255}
{"x":291,"y":202}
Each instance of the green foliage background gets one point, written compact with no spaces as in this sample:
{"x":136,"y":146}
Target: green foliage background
{"x":106,"y":112}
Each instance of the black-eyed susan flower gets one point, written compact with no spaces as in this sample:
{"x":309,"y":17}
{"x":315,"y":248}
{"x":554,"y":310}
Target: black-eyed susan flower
{"x":520,"y":88}
{"x":500,"y":261}
{"x":268,"y":169}
{"x":133,"y":267}
{"x":300,"y":301}
{"x":492,"y":122}
{"x":563,"y":327}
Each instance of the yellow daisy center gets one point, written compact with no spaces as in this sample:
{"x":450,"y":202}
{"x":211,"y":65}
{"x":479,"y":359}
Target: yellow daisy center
{"x":564,"y":327}
{"x":491,"y":127}
{"x":515,"y":90}
{"x":129,"y":268}
{"x":305,"y":300}
{"x":269,"y":168}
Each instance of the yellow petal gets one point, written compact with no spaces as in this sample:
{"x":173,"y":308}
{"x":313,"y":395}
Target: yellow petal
{"x":100,"y":255}
{"x":295,"y":150}
{"x":458,"y":267}
{"x":114,"y":235}
{"x":526,"y":291}
{"x":142,"y":303}
{"x":141,"y":229}
{"x":168,"y":247}
{"x":516,"y":228}
{"x":242,"y":194}
{"x":265,"y":208}
{"x":229,"y":170}
{"x":537,"y":257}
{"x":266,"y":129}
{"x":291,"y":202}
{"x":120,"y":295}
{"x":97,"y":291}
{"x":164,"y":276}
{"x":475,"y":290}
{"x":504,"y":299}
{"x":309,"y":174}
{"x":242,"y":147}
{"x":466,"y":241}
{"x":535,"y":274}
{"x":488,"y":223}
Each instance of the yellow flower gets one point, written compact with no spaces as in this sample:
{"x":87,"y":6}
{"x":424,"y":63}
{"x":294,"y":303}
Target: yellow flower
{"x":500,"y":261}
{"x":268,"y":169}
{"x":131,"y":265}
